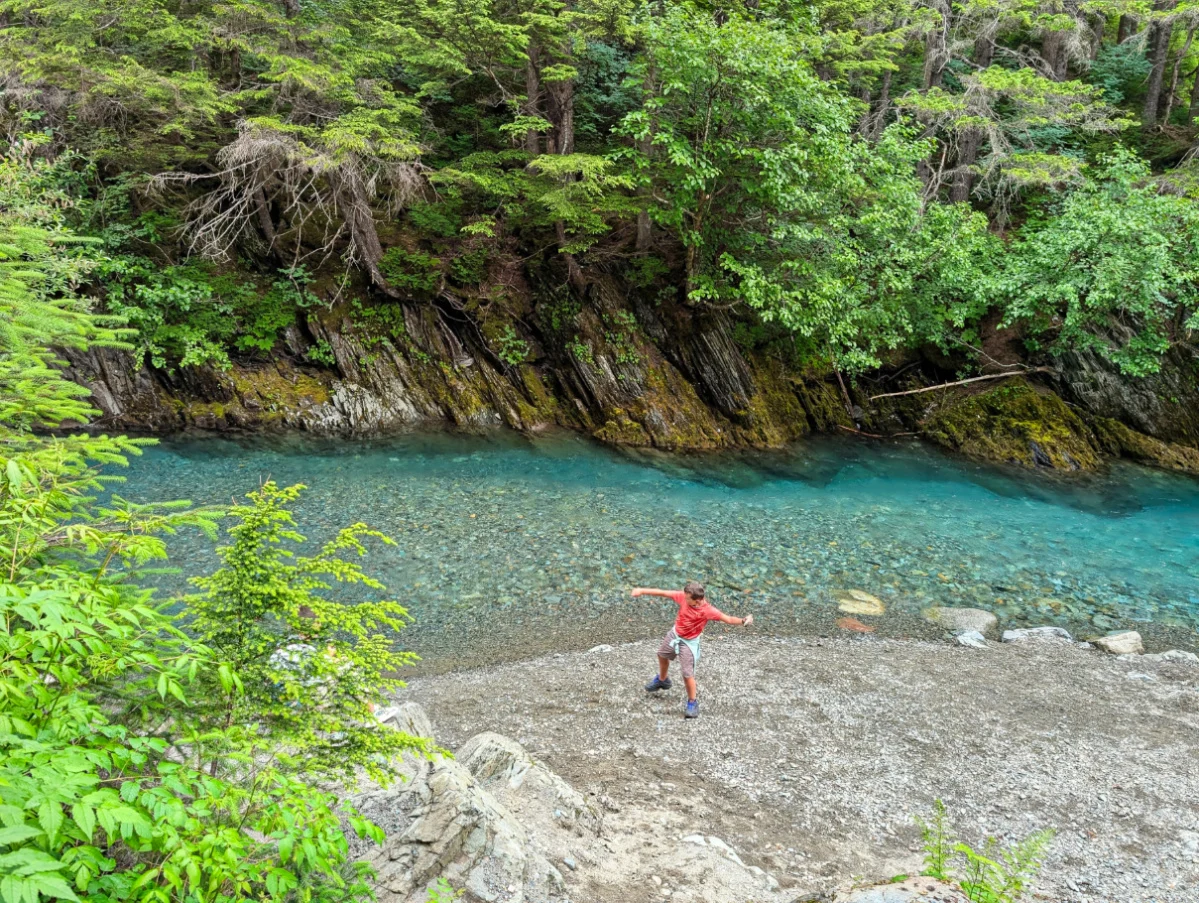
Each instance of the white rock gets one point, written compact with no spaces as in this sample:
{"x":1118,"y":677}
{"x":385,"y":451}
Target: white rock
{"x":1125,"y":642}
{"x":602,"y":647}
{"x":965,"y":619}
{"x":1038,"y":634}
{"x":697,"y":839}
{"x":971,"y":638}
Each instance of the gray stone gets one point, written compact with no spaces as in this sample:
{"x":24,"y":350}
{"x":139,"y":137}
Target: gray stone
{"x":971,"y":638}
{"x":974,"y":619}
{"x":1177,"y":656}
{"x":502,"y":764}
{"x":407,"y":717}
{"x":910,"y":890}
{"x":601,"y":648}
{"x":460,"y":832}
{"x":1038,"y":635}
{"x":1126,"y":642}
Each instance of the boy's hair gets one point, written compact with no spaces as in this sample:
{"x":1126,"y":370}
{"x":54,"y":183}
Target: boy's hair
{"x":694,"y":589}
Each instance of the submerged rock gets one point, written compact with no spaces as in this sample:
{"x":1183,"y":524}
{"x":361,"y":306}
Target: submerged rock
{"x":966,"y":619}
{"x":857,"y":602}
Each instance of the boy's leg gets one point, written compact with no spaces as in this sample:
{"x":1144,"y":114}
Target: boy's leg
{"x":664,"y":668}
{"x":687,"y":666}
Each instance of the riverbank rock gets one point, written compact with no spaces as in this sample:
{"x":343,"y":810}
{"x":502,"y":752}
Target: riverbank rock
{"x":971,"y":638}
{"x":1126,"y":642}
{"x":1038,"y":635}
{"x":1170,"y":656}
{"x":1018,"y":424}
{"x":501,"y":764}
{"x":910,"y":890}
{"x":460,"y":832}
{"x":964,"y":619}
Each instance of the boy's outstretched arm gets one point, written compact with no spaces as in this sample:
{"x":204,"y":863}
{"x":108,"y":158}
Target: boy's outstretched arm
{"x":646,"y":591}
{"x":737,"y":622}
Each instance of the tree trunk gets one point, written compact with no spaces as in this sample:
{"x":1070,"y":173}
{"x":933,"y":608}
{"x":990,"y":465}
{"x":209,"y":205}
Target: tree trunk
{"x":1193,"y":113}
{"x":353,"y":201}
{"x":1126,"y":29}
{"x":972,"y":139}
{"x":1053,"y":52}
{"x":560,"y":106}
{"x":1159,"y":46}
{"x":532,"y":90}
{"x":884,"y":104}
{"x":1172,"y":94}
{"x":936,"y":50}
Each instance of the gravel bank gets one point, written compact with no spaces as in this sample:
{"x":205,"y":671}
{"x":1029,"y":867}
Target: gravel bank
{"x":812,"y":756}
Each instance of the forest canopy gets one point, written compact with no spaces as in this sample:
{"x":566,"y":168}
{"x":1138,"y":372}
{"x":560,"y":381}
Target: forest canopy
{"x":863,"y":176}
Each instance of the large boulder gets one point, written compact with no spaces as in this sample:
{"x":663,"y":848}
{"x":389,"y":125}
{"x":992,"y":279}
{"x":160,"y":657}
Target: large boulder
{"x":458,"y":831}
{"x":504,"y":767}
{"x":910,"y":890}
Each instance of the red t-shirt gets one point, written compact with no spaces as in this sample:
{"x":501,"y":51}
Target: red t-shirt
{"x":691,"y":620}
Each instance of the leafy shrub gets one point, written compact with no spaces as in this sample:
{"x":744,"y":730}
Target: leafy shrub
{"x":436,"y":220}
{"x":411,"y":271}
{"x":321,"y":353}
{"x":469,"y":267}
{"x":992,"y":876}
{"x":511,"y":348}
{"x":136,"y":763}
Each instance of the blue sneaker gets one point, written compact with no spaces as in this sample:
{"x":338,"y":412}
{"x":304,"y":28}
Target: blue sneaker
{"x":692,"y":710}
{"x":658,"y":684}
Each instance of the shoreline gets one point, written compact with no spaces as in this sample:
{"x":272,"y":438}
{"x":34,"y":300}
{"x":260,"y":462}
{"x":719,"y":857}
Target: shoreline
{"x":811,"y":757}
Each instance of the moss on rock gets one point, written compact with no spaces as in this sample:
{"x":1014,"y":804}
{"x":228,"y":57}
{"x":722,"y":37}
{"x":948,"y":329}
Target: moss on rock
{"x":1015,"y":424}
{"x":1119,"y":440}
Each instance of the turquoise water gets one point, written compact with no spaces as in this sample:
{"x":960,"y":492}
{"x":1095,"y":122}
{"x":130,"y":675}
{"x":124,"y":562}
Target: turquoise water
{"x":509,"y":547}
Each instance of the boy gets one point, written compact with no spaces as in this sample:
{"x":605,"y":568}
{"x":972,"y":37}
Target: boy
{"x":682,"y":642}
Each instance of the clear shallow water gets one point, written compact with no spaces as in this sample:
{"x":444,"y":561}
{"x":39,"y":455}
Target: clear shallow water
{"x":509,"y":547}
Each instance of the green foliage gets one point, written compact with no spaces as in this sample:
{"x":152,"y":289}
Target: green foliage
{"x":1119,"y":70}
{"x":192,"y":314}
{"x":309,"y":665}
{"x":510,"y":347}
{"x":414,"y":272}
{"x":994,"y":875}
{"x":620,"y":336}
{"x":470,"y":267}
{"x":122,"y":776}
{"x":322,"y":353}
{"x":1114,"y":270}
{"x":443,"y":892}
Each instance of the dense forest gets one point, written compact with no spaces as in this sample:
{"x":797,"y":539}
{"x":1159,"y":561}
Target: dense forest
{"x":838,"y":184}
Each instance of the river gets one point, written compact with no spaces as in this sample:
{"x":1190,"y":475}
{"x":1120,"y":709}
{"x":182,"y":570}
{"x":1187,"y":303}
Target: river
{"x":509,"y":548}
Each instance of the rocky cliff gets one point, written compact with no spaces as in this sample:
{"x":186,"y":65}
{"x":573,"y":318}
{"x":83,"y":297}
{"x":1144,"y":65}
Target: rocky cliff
{"x":631,"y":369}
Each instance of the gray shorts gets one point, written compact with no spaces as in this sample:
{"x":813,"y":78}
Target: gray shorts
{"x":686,"y":659}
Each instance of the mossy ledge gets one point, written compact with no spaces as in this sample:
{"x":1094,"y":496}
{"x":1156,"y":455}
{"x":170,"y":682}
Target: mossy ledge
{"x":627,"y":372}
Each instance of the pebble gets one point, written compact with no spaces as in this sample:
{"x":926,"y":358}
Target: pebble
{"x":971,"y":638}
{"x":601,"y":648}
{"x":1126,"y":642}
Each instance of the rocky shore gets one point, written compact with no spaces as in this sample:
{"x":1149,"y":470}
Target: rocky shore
{"x":803,"y":775}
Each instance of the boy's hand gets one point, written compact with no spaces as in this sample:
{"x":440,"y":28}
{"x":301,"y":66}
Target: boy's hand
{"x":636,"y":592}
{"x":749,"y":619}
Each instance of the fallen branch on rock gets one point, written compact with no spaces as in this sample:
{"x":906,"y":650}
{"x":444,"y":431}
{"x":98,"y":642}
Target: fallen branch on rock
{"x":962,"y":382}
